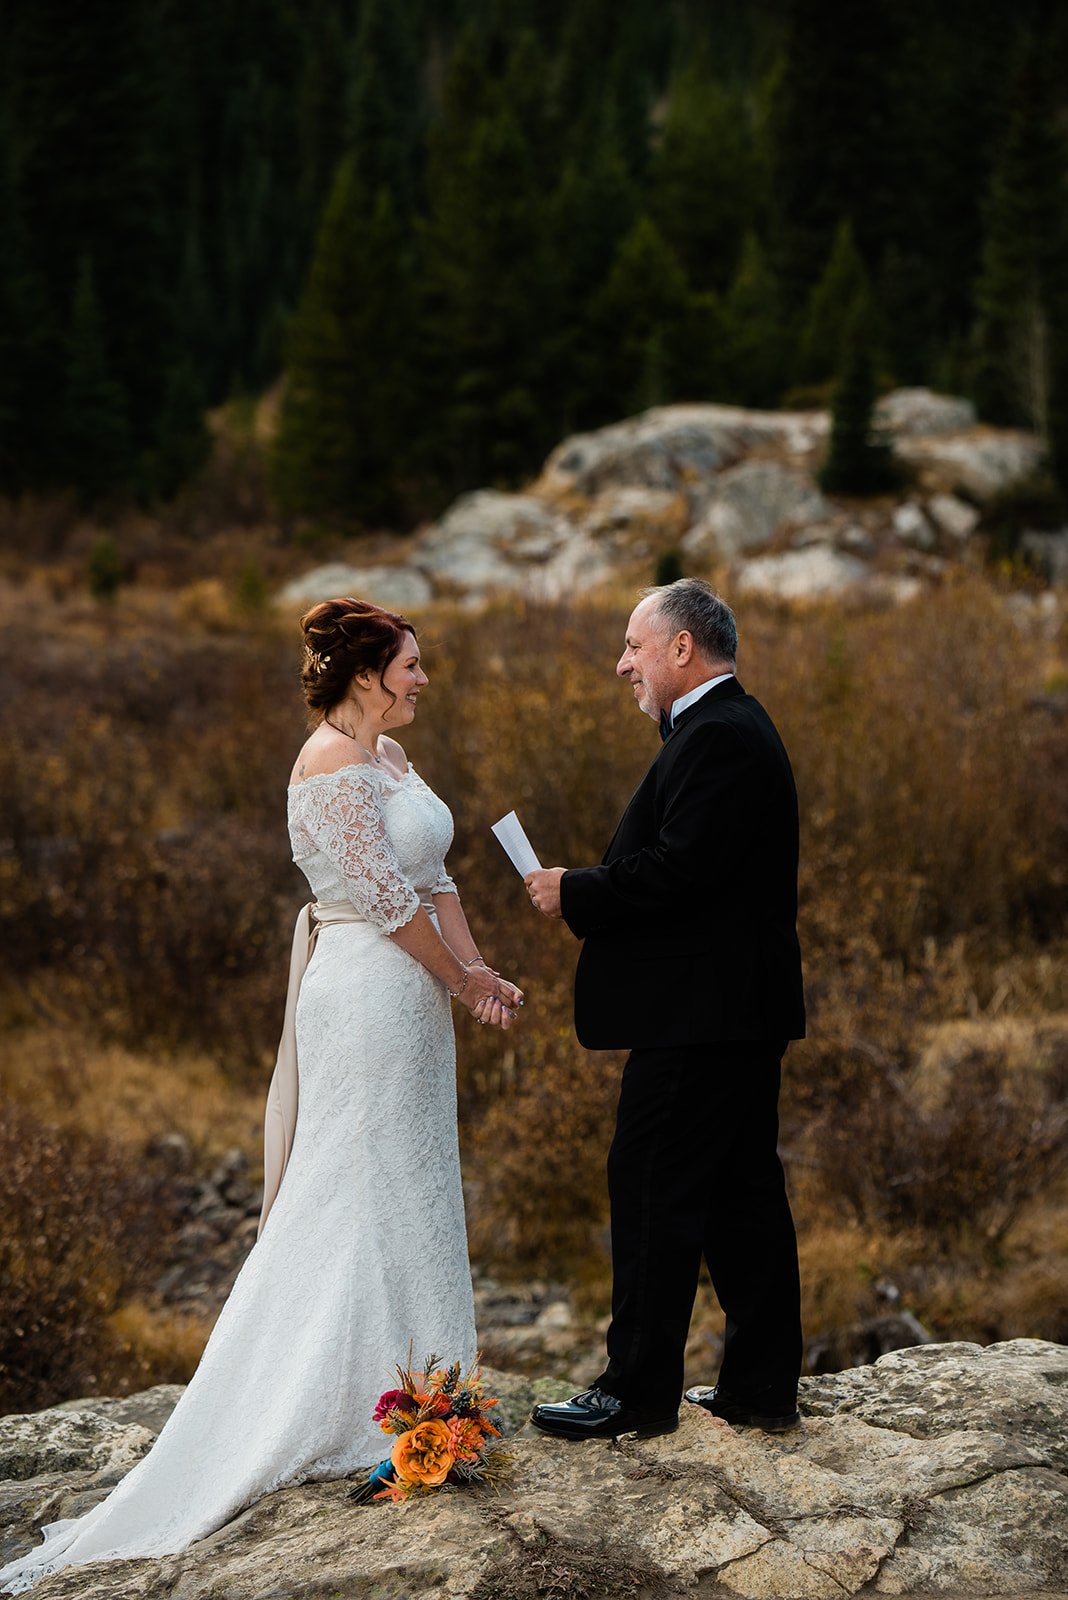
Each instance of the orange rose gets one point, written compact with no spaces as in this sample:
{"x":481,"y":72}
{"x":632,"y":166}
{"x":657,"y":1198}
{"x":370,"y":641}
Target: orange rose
{"x":423,"y":1454}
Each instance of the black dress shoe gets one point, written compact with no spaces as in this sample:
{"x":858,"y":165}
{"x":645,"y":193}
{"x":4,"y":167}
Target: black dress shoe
{"x":741,"y":1414}
{"x":596,"y":1415}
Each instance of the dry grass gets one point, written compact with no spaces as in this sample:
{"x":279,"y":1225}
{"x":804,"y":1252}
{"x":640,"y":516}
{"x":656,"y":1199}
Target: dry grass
{"x":108,"y":1091}
{"x":146,"y":902}
{"x":155,"y":1344}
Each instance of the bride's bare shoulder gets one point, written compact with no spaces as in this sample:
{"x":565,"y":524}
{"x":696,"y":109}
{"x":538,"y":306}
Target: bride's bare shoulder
{"x":393,"y":753}
{"x":323,"y":752}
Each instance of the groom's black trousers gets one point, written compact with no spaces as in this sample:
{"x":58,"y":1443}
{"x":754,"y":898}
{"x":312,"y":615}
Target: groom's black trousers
{"x":693,"y":1170}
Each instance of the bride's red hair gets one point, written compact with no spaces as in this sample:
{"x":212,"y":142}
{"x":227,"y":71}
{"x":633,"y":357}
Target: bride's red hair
{"x":341,"y":638}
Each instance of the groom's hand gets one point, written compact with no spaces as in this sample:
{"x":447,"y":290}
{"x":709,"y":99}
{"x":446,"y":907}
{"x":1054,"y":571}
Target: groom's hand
{"x":543,"y":888}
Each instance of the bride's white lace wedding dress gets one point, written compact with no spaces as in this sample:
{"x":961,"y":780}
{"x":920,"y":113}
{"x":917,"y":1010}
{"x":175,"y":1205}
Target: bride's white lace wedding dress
{"x":365,"y":1248}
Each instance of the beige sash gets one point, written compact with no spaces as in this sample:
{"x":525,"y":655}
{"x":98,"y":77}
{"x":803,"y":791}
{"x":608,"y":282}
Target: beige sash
{"x":280,"y":1120}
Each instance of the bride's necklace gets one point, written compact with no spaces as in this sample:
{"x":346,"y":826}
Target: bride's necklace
{"x":354,"y":739}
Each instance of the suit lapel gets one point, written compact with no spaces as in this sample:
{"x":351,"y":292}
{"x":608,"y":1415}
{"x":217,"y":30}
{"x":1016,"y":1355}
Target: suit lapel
{"x":729,"y":689}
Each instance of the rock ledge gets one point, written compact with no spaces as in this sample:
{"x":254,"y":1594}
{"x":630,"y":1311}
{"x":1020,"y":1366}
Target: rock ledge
{"x":940,"y":1470}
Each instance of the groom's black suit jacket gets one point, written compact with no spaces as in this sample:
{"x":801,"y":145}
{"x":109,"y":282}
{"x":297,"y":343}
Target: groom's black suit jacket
{"x":690,"y":920}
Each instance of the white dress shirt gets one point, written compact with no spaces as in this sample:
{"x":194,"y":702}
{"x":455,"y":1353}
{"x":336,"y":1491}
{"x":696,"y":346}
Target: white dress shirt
{"x":694,"y":695}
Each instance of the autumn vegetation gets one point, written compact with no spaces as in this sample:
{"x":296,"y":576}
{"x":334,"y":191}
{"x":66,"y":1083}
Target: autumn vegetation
{"x":147,"y":897}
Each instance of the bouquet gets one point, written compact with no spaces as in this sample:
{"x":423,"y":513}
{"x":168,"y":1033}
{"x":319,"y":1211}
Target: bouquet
{"x":443,"y":1433}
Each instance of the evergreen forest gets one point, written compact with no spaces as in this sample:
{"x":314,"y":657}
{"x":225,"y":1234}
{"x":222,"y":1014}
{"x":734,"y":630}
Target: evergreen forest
{"x":457,"y":230}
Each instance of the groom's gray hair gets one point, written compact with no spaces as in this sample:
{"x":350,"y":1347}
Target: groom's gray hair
{"x":693,"y":604}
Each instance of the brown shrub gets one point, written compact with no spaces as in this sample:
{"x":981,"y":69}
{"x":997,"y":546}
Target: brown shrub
{"x":537,"y":1202}
{"x":129,"y":873}
{"x":962,"y":1169}
{"x":146,"y":890}
{"x":78,"y":1226}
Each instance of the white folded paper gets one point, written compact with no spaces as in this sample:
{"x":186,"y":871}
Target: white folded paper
{"x":517,"y":846}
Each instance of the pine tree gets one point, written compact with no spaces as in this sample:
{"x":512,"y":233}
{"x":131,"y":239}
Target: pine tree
{"x":835,"y":150}
{"x":488,"y":298}
{"x":831,"y":306}
{"x":339,"y":448}
{"x":756,"y":357}
{"x":858,"y":461}
{"x":385,"y":104}
{"x":592,"y":210}
{"x":522,"y":92}
{"x":704,"y":183}
{"x":707,"y":366}
{"x":24,"y":397}
{"x":468,"y":97}
{"x":321,"y":109}
{"x":1023,"y":285}
{"x":90,"y":118}
{"x":642,"y":315}
{"x":951,"y":120}
{"x":244,"y":68}
{"x":606,"y":59}
{"x":914,"y":338}
{"x":194,"y":307}
{"x":183,"y":441}
{"x":97,"y":455}
{"x":593,"y":207}
{"x":250,"y":269}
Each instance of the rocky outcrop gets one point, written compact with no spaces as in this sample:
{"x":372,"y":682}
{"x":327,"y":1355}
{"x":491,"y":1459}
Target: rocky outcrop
{"x":676,"y":447}
{"x":394,"y":587}
{"x":908,"y":412}
{"x":810,"y":574}
{"x":938,"y":1471}
{"x":749,"y":505}
{"x":982,"y":462}
{"x":219,"y":1217}
{"x":735,"y":493}
{"x":489,"y":541}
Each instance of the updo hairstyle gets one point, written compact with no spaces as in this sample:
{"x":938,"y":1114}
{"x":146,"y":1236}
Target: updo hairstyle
{"x":342,"y":638}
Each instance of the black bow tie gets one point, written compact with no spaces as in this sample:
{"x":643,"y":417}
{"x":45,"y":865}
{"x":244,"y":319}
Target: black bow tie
{"x":665,"y":724}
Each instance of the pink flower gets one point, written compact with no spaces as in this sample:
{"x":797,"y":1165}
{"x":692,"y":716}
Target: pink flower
{"x":393,"y":1400}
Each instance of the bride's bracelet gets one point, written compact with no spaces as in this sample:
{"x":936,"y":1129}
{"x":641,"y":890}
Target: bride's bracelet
{"x":476,"y":961}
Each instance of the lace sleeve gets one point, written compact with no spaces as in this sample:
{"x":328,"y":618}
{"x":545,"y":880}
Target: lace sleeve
{"x":345,"y":822}
{"x":444,"y":884}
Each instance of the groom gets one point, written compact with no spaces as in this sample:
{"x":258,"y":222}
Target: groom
{"x":691,"y":961}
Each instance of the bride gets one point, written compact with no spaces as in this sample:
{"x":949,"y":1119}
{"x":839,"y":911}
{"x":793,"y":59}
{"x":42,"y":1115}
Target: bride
{"x":362,"y":1249}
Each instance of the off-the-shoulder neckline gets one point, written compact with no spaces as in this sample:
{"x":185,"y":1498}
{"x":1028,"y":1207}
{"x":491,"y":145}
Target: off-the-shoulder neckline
{"x":351,"y":766}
